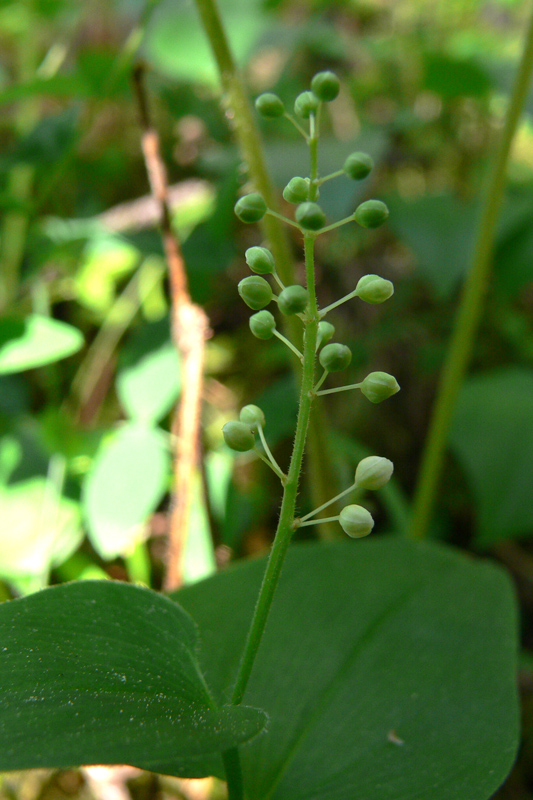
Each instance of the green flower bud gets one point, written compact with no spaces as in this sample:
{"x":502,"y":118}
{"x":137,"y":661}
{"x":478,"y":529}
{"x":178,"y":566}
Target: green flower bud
{"x":253,"y":416}
{"x":263,"y":325}
{"x":335,"y":357}
{"x":371,"y":214}
{"x":293,"y":300}
{"x":269,"y":105}
{"x":305,"y":104}
{"x":255,"y":291}
{"x":250,"y":208}
{"x":373,"y":472}
{"x":379,"y":386}
{"x":296,"y":191}
{"x":358,"y":166}
{"x":356,"y":521}
{"x":325,"y":333}
{"x":260,"y":260}
{"x":239,"y":436}
{"x":310,"y":216}
{"x":325,"y":86}
{"x":373,"y":289}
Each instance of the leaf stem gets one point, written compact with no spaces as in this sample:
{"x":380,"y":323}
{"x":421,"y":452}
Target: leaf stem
{"x":471,"y":306}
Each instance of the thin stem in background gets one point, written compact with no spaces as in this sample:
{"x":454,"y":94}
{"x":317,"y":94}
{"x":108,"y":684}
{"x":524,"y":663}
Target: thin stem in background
{"x":190,"y":329}
{"x":470,"y":308}
{"x":249,"y":139}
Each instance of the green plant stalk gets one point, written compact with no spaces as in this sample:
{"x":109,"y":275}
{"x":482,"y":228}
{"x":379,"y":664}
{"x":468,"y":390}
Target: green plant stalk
{"x":250,"y":143}
{"x":471,"y":306}
{"x":285,"y":527}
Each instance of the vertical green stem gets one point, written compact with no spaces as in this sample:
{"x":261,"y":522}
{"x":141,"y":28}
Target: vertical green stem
{"x":471,"y":306}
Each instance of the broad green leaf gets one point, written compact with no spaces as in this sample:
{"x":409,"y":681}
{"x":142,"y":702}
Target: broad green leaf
{"x":34,"y":342}
{"x":38,"y":529}
{"x":492,"y":436}
{"x":127,"y":480}
{"x":148,"y":389}
{"x":107,"y":259}
{"x":100,"y":672}
{"x":387,"y":669}
{"x":452,"y":77}
{"x":439,"y":230}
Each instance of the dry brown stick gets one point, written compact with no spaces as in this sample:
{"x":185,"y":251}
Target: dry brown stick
{"x":190,"y":329}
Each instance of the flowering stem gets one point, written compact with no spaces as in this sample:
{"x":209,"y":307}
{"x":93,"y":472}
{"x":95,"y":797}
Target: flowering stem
{"x":325,"y":505}
{"x":294,"y":349}
{"x":296,"y":125}
{"x":318,"y":521}
{"x":324,"y":311}
{"x":276,"y":467}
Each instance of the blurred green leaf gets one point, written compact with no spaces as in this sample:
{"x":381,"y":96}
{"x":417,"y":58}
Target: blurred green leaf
{"x":35,"y":341}
{"x":128,"y":479}
{"x":149,"y":389}
{"x":440,"y":231}
{"x":386,"y":667}
{"x":492,"y":436}
{"x":452,"y":77}
{"x":103,"y":672}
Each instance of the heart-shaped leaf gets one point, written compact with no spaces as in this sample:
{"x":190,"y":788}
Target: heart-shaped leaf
{"x":35,"y":341}
{"x":387,"y":669}
{"x":100,"y":672}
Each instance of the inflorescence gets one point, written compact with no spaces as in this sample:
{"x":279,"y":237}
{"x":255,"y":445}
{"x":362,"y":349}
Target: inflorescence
{"x":373,"y":472}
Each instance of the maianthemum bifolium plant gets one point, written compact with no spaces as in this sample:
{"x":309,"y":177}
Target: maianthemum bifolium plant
{"x":377,"y":670}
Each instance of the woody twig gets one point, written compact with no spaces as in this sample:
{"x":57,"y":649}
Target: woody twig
{"x":190,"y":329}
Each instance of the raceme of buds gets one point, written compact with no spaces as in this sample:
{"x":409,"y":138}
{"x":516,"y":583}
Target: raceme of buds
{"x":255,"y":291}
{"x":379,"y":386}
{"x":325,"y":333}
{"x":260,"y":260}
{"x":297,"y":190}
{"x":252,"y":416}
{"x":269,"y":105}
{"x":250,"y":208}
{"x":293,"y":300}
{"x":335,"y":357}
{"x":262,"y":325}
{"x":306,"y":104}
{"x":373,"y":289}
{"x":356,"y":521}
{"x":238,"y":436}
{"x":371,"y":214}
{"x":358,"y":166}
{"x":310,"y":216}
{"x":373,"y":472}
{"x":325,"y":86}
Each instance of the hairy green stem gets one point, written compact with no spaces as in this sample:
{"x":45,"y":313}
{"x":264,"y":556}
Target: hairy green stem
{"x":471,"y":306}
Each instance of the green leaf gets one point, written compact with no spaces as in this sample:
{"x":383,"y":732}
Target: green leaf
{"x":387,"y":669}
{"x":104,"y":673}
{"x":492,"y":436}
{"x":439,"y":230}
{"x":34,"y":342}
{"x":127,"y":480}
{"x":452,"y":77}
{"x":149,"y":388}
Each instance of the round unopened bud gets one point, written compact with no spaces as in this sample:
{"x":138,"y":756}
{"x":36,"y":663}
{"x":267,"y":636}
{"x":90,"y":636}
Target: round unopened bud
{"x":379,"y":386}
{"x":356,"y":521}
{"x":306,"y":104}
{"x":255,"y":291}
{"x":250,"y":208}
{"x":260,"y":260}
{"x":325,"y":333}
{"x":239,"y":436}
{"x":373,"y":472}
{"x":371,"y":214}
{"x":253,"y":416}
{"x":310,"y":216}
{"x":296,"y":191}
{"x":358,"y":166}
{"x":373,"y":289}
{"x":263,"y":325}
{"x":335,"y":357}
{"x":269,"y":105}
{"x":325,"y":86}
{"x":293,"y":300}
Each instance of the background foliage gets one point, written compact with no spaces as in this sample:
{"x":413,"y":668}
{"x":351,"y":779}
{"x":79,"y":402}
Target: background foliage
{"x":88,"y":376}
